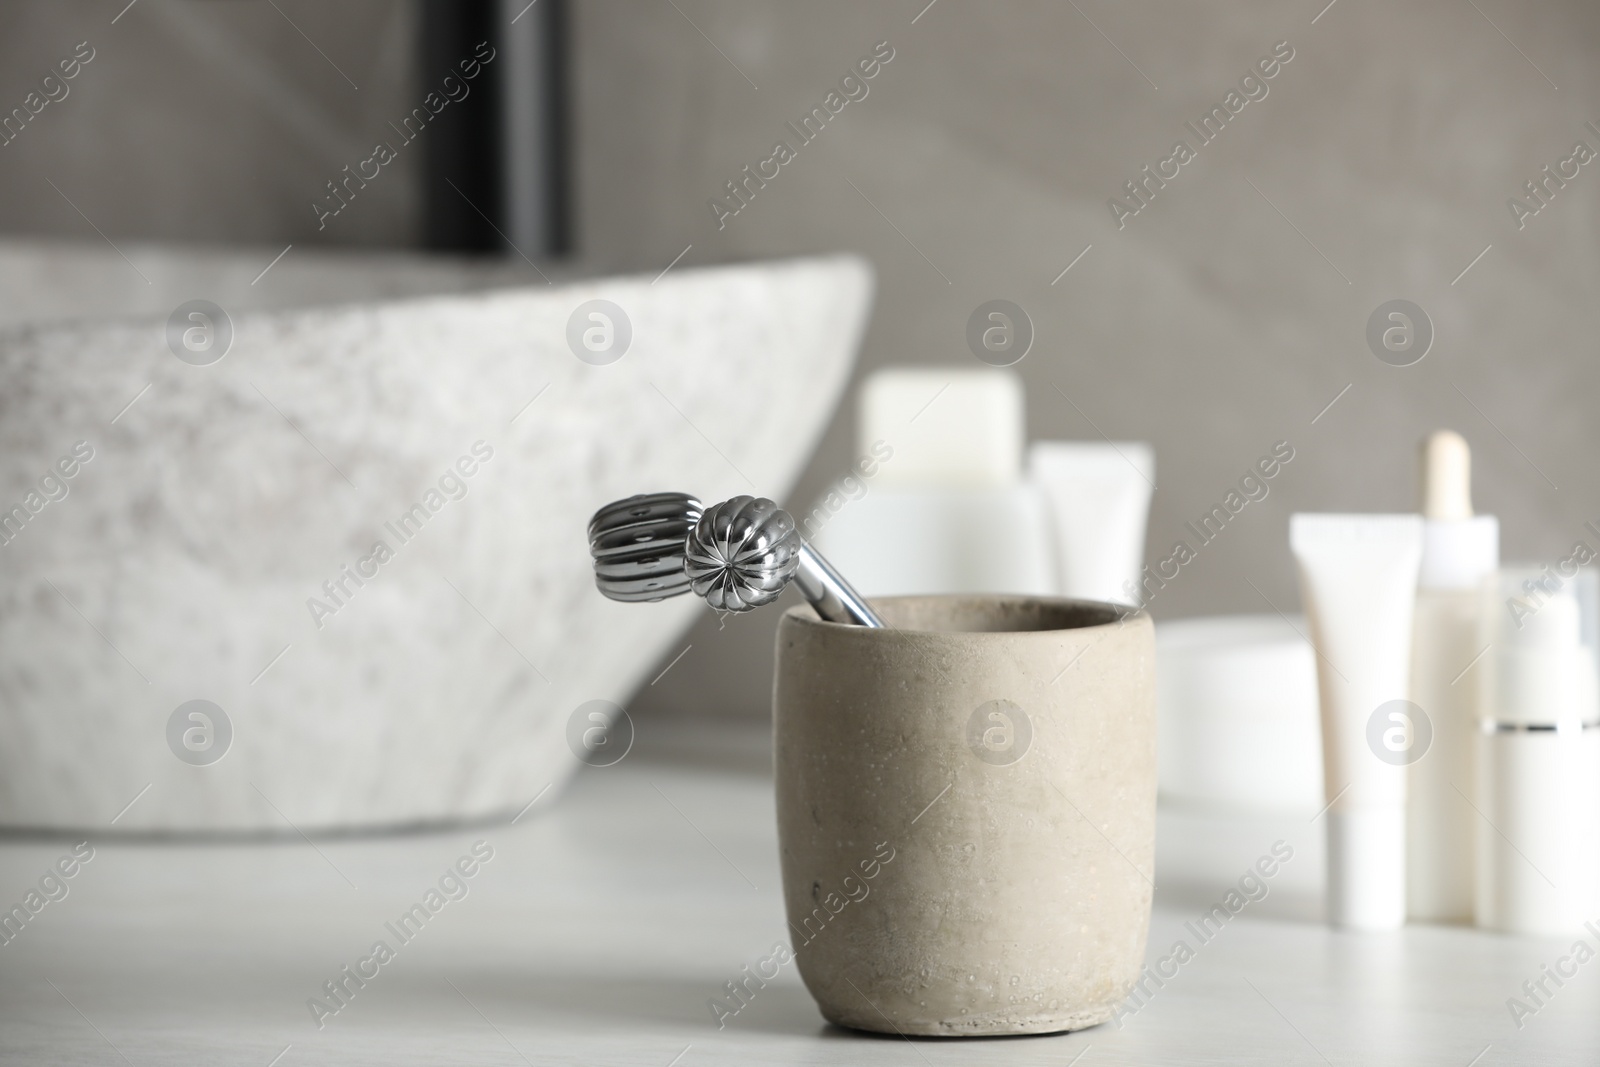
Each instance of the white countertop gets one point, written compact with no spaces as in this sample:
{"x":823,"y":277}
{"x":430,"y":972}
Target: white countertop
{"x":609,"y":915}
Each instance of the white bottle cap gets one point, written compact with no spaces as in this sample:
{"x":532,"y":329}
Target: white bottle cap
{"x":1458,"y":550}
{"x":1446,"y":476}
{"x":1367,"y":868}
{"x":1459,"y":553}
{"x":1543,"y":629}
{"x":953,"y":428}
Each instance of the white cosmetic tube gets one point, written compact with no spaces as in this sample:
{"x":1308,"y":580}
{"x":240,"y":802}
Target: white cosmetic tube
{"x":1099,"y":502}
{"x":1358,"y":583}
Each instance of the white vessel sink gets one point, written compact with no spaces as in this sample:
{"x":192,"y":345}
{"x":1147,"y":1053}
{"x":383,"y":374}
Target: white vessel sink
{"x":221,"y":498}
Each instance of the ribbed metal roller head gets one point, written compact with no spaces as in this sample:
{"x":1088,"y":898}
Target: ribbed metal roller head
{"x":638,"y":545}
{"x":742,"y":553}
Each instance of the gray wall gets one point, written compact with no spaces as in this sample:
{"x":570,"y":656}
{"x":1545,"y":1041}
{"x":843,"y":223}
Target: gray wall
{"x":1214,"y":324}
{"x":1209,"y":325}
{"x":208,"y":120}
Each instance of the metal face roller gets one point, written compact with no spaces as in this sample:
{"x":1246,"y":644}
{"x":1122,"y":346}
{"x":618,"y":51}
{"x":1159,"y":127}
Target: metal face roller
{"x":637,"y":545}
{"x":738,"y":555}
{"x":742,"y":553}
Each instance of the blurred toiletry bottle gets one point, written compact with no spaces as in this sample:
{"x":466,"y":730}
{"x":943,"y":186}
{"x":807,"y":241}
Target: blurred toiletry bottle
{"x":1538,"y":837}
{"x":1097,"y":494}
{"x":939,"y":505}
{"x":1460,"y":552}
{"x":1358,"y":582}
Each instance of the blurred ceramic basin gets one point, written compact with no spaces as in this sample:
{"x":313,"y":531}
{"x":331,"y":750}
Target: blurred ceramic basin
{"x":224,"y":502}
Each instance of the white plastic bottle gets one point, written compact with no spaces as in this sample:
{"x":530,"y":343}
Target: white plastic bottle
{"x":1539,"y":757}
{"x":1460,"y":553}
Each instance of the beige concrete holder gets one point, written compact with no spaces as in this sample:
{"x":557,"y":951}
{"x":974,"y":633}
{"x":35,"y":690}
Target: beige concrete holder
{"x":966,"y":811}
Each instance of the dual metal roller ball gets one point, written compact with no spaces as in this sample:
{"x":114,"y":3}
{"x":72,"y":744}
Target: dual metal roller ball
{"x":738,"y":554}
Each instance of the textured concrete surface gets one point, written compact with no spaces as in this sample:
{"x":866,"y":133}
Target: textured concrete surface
{"x":996,"y":756}
{"x":200,"y":539}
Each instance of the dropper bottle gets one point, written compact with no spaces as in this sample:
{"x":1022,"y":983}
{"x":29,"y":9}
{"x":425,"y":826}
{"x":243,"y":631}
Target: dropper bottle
{"x":1460,"y":553}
